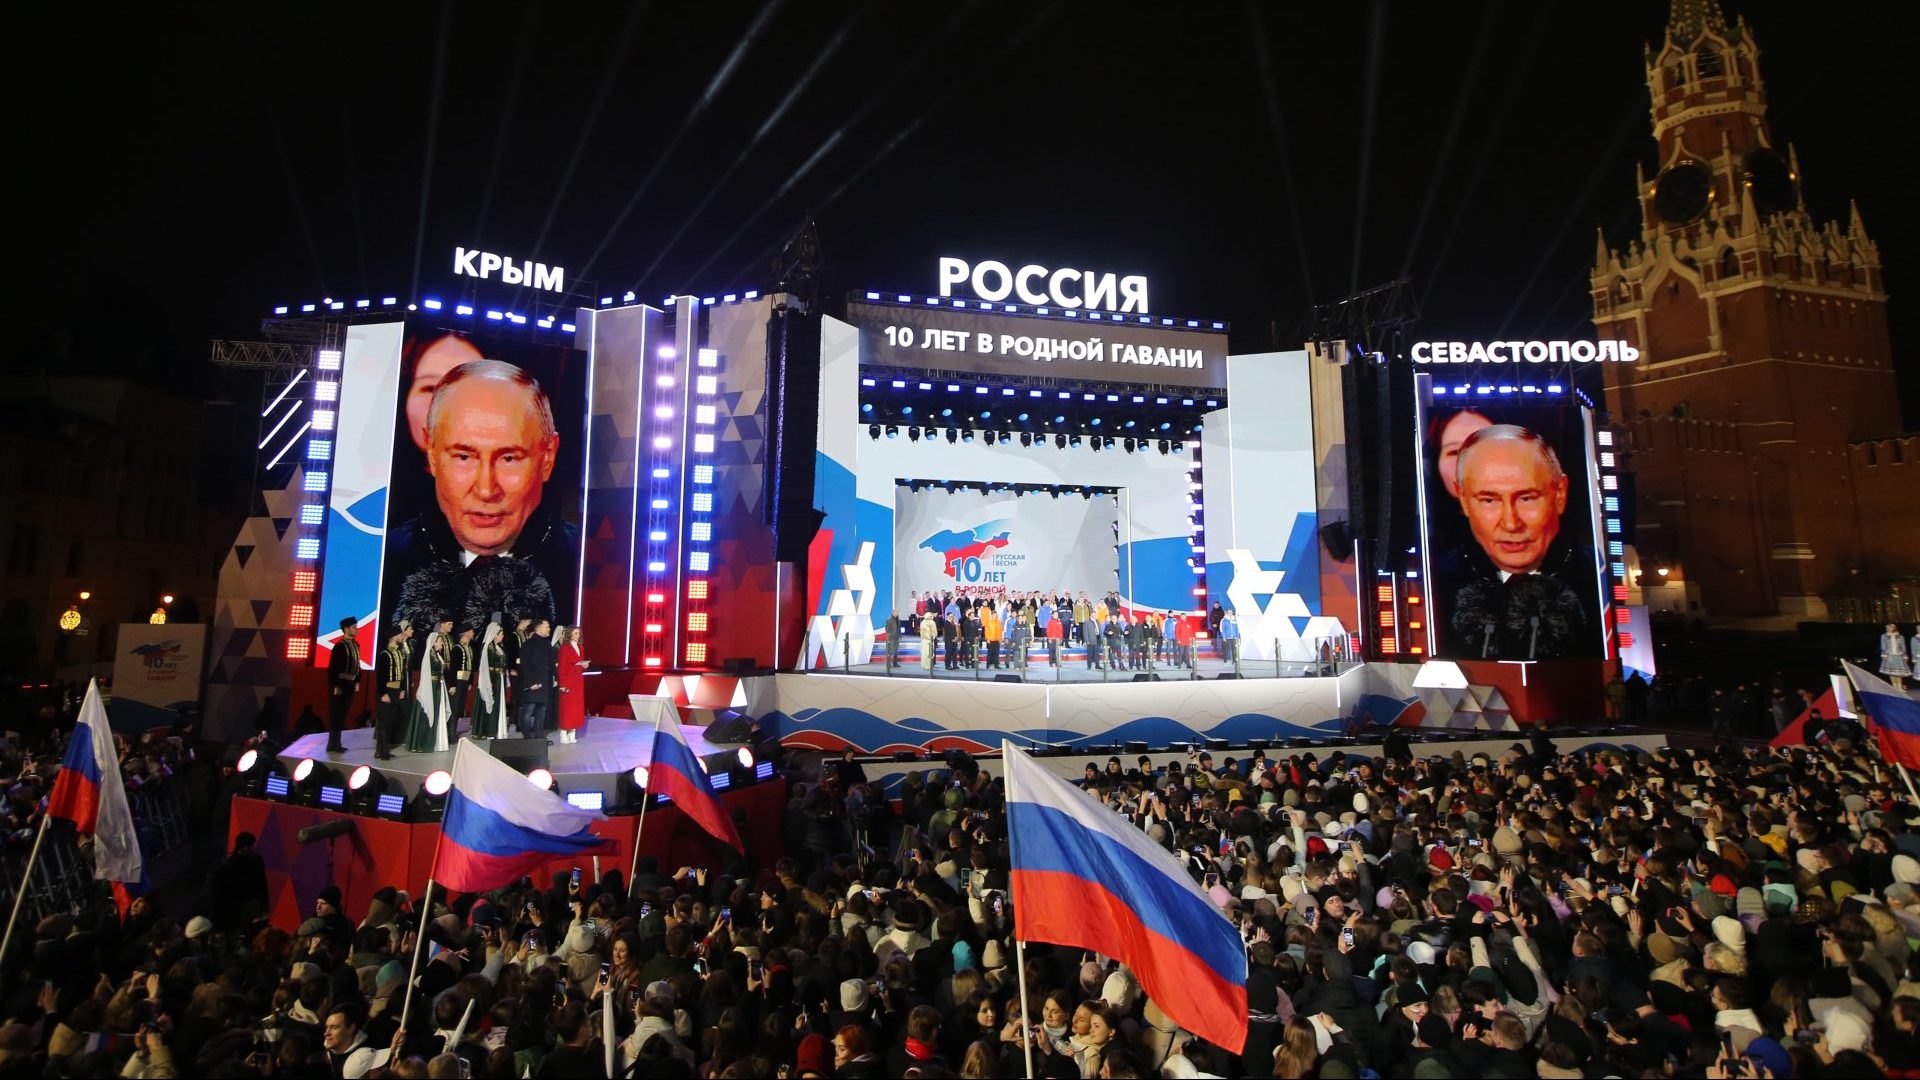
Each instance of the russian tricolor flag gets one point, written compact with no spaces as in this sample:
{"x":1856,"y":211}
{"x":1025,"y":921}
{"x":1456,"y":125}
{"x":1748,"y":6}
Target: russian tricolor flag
{"x":676,"y":773}
{"x":1084,"y":877}
{"x":1896,"y":717}
{"x":88,"y":792}
{"x":498,"y":826}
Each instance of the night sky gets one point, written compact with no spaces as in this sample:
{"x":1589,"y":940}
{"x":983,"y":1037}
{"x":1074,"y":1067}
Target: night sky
{"x":188,"y":168}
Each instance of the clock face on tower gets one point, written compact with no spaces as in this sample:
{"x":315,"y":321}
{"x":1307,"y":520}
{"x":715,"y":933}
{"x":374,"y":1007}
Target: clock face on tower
{"x":1682,"y":191}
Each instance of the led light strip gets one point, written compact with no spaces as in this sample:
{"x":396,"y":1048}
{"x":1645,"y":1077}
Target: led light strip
{"x":703,"y":427}
{"x":316,"y":482}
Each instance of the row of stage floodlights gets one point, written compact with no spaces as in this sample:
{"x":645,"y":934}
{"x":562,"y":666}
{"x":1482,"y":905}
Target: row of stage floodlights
{"x":1029,"y":439}
{"x":367,"y":791}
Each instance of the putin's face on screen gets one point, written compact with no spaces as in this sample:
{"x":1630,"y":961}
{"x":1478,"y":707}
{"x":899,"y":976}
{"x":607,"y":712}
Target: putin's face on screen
{"x":490,"y":446}
{"x":1513,"y":492}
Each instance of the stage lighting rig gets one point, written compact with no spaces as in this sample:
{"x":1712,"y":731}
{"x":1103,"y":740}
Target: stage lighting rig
{"x":431,"y":802}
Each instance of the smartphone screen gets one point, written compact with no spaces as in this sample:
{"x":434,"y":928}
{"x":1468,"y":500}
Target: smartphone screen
{"x":726,"y":914}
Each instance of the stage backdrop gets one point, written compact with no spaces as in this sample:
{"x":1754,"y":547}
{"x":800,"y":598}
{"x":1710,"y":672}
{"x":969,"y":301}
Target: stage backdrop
{"x":1019,"y":542}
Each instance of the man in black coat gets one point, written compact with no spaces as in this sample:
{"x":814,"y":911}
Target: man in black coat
{"x":533,"y":684}
{"x":343,"y":683}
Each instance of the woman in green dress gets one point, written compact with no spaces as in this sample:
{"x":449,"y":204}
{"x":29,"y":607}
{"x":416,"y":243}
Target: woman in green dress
{"x":427,"y":727}
{"x":491,"y":685}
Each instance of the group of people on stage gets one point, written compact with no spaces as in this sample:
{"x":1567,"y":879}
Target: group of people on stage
{"x":507,"y":684}
{"x":998,"y":630}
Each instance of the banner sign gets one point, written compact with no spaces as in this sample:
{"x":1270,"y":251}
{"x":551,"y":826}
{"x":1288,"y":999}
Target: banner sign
{"x":943,"y":339}
{"x":972,"y":540}
{"x":156,"y":670}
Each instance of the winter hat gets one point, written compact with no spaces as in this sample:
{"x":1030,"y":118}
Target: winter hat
{"x":659,"y":990}
{"x":389,"y":977}
{"x":1250,"y":893}
{"x":1421,"y":952}
{"x":1906,"y":869}
{"x":198,"y":927}
{"x":1360,"y":803}
{"x":1220,"y":896}
{"x":1439,"y":860}
{"x":1120,"y":991}
{"x":1846,"y":1031}
{"x":1750,"y":902}
{"x":1409,"y":994}
{"x":1663,"y":949}
{"x":331,"y":894}
{"x":1730,"y":933}
{"x":814,"y":1056}
{"x":853,"y":995}
{"x":1722,"y":885}
{"x":993,"y":957}
{"x":1771,"y":1056}
{"x":962,"y":957}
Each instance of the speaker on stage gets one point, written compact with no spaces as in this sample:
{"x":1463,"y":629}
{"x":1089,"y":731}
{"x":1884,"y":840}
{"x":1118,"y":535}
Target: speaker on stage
{"x":1338,"y":538}
{"x":1146,"y":676}
{"x":1003,"y":677}
{"x":1228,"y":675}
{"x":525,"y":755}
{"x":739,"y":665}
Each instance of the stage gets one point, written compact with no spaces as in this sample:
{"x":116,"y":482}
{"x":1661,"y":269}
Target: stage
{"x":608,"y":747}
{"x":1076,"y":671}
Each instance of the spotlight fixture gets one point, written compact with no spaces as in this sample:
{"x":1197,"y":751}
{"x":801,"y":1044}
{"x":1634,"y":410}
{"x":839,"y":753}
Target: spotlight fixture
{"x":953,"y":435}
{"x":1129,"y":445}
{"x":1060,"y":442}
{"x":1163,"y":446}
{"x":913,"y":434}
{"x":873,"y":431}
{"x":893,"y":431}
{"x":1026,"y":438}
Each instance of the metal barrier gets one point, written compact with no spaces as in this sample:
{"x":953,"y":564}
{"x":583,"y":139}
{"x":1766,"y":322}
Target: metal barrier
{"x":63,"y":879}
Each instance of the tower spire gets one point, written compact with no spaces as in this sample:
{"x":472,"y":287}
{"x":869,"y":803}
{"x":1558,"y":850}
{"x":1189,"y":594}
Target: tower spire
{"x":1688,"y":19}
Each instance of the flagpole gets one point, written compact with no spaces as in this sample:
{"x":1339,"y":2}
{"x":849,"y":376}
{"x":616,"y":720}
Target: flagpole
{"x":420,"y":937}
{"x":1019,"y":945}
{"x":1904,"y":775}
{"x":646,"y":796}
{"x":26,"y":882}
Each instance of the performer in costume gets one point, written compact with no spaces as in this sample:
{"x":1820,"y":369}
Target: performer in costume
{"x":573,"y":685}
{"x":461,"y":655}
{"x":522,"y":630}
{"x":427,"y":728}
{"x":1895,"y":664}
{"x":392,"y":675}
{"x":491,"y":685}
{"x":343,"y":683}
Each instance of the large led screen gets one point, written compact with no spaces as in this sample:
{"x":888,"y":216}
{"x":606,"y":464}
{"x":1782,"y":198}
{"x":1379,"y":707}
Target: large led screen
{"x":405,"y":540}
{"x":484,"y":499}
{"x":1510,"y":524}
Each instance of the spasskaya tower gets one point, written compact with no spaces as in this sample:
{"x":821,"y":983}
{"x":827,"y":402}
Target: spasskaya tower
{"x":1765,"y":361}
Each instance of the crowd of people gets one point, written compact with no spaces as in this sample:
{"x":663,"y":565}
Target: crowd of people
{"x":995,"y":628}
{"x":1735,"y":912}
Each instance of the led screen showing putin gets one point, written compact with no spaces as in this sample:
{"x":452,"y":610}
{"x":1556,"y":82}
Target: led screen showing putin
{"x":1510,"y":527}
{"x":486,"y":483}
